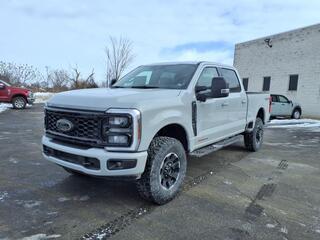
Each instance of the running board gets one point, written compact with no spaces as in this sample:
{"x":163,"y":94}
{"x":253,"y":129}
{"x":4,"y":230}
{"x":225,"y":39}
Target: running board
{"x":214,"y":147}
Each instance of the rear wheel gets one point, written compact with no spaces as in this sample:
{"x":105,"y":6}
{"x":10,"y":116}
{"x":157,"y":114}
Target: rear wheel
{"x":19,"y":102}
{"x":296,"y":114}
{"x":165,"y":170}
{"x":253,"y":140}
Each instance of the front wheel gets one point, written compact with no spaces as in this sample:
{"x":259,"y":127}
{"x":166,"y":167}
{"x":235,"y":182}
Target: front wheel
{"x":296,"y":114}
{"x":165,"y":170}
{"x":253,"y":140}
{"x":19,"y":102}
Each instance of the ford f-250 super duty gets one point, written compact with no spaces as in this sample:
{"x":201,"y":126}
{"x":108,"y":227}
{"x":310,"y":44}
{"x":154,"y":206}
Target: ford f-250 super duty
{"x":146,"y":124}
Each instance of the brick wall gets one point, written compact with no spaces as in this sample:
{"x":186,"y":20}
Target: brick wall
{"x":293,"y":52}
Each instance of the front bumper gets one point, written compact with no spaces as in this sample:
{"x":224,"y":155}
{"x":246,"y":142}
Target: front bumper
{"x":101,"y":155}
{"x":30,"y":100}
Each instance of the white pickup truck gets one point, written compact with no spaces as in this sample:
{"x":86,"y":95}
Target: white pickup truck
{"x":148,"y":122}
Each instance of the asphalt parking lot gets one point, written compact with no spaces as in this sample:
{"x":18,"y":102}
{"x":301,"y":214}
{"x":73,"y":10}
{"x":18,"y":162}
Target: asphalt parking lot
{"x":230,"y":194}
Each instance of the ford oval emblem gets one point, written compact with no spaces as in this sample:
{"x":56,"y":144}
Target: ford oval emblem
{"x":64,"y":125}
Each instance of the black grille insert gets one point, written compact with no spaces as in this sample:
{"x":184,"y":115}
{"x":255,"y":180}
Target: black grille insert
{"x":86,"y":126}
{"x":87,"y":162}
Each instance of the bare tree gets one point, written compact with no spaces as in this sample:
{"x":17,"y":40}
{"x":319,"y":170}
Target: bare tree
{"x":58,"y":79}
{"x":78,"y":82}
{"x":119,"y":57}
{"x":19,"y":74}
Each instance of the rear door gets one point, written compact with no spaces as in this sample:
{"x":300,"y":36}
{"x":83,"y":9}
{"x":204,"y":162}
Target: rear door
{"x":237,"y":108}
{"x":212,"y":115}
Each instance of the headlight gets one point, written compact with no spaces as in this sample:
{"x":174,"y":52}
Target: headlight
{"x":121,"y":129}
{"x":117,"y":130}
{"x":119,"y":121}
{"x":118,"y":139}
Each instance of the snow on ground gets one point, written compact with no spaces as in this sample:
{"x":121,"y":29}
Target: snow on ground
{"x":42,"y":97}
{"x":4,"y":106}
{"x":295,"y":123}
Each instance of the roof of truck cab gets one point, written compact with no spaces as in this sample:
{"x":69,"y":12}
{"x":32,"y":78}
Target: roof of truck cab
{"x":190,"y":62}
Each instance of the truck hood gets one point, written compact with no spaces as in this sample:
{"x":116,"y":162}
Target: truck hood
{"x":101,"y":99}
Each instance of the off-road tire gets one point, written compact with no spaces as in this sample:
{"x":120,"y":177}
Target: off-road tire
{"x":19,"y":103}
{"x":149,"y":185}
{"x":296,"y":114}
{"x":251,"y":140}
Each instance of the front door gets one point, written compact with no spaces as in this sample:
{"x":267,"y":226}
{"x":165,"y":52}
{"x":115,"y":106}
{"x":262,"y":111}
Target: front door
{"x":4,"y":95}
{"x":281,"y":106}
{"x":212,"y":115}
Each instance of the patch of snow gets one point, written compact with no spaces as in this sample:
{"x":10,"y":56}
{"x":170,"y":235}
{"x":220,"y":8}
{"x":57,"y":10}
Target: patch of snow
{"x":295,"y":123}
{"x":42,"y":97}
{"x":31,"y":204}
{"x":84,"y":198}
{"x":4,"y":106}
{"x":41,"y":236}
{"x":3,"y":196}
{"x":269,"y":225}
{"x":13,"y":160}
{"x":227,"y":182}
{"x":63,"y":199}
{"x":317,"y":230}
{"x":284,"y":230}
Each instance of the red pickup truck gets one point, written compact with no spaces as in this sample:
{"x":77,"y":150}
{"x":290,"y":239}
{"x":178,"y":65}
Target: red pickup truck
{"x":19,"y":97}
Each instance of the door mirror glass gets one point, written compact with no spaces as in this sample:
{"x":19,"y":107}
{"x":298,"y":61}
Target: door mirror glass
{"x":2,"y":86}
{"x":219,"y":88}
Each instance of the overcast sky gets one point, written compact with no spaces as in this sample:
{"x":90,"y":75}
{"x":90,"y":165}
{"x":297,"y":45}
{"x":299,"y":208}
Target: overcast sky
{"x":65,"y":33}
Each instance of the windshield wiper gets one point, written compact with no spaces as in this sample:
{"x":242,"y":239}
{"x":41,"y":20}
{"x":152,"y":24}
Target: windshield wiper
{"x":144,"y":86}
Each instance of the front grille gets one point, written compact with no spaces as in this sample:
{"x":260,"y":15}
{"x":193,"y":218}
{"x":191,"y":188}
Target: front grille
{"x":86,"y":126}
{"x":87,"y":162}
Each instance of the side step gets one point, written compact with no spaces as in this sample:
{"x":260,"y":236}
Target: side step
{"x":215,"y":146}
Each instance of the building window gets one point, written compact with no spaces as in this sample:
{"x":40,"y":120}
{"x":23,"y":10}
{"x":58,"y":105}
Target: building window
{"x":293,"y":82}
{"x":266,"y":84}
{"x":245,"y":82}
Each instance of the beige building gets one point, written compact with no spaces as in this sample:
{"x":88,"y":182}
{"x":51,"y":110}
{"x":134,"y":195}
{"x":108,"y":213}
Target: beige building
{"x":286,"y":63}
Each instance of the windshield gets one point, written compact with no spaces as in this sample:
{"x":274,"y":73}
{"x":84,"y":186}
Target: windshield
{"x":5,"y":83}
{"x":158,"y":76}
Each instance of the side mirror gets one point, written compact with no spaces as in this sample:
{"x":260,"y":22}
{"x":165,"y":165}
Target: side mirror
{"x":200,"y":88}
{"x":2,"y":86}
{"x":219,"y":88}
{"x":113,"y":81}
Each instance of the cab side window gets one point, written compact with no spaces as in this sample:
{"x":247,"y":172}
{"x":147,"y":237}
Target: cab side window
{"x":283,"y":99}
{"x":206,"y":76}
{"x":231,"y":77}
{"x":274,"y":98}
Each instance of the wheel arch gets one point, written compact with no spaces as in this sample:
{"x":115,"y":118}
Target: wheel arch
{"x":18,"y":95}
{"x":177,"y":131}
{"x":261,"y":114}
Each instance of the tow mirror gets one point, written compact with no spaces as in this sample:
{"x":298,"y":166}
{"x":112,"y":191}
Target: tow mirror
{"x":219,"y":88}
{"x":200,"y":88}
{"x":2,"y":86}
{"x":113,"y":81}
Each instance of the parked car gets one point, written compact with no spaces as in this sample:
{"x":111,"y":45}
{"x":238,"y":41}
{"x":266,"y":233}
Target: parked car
{"x":150,"y":120}
{"x":283,"y":107}
{"x":18,"y":96}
